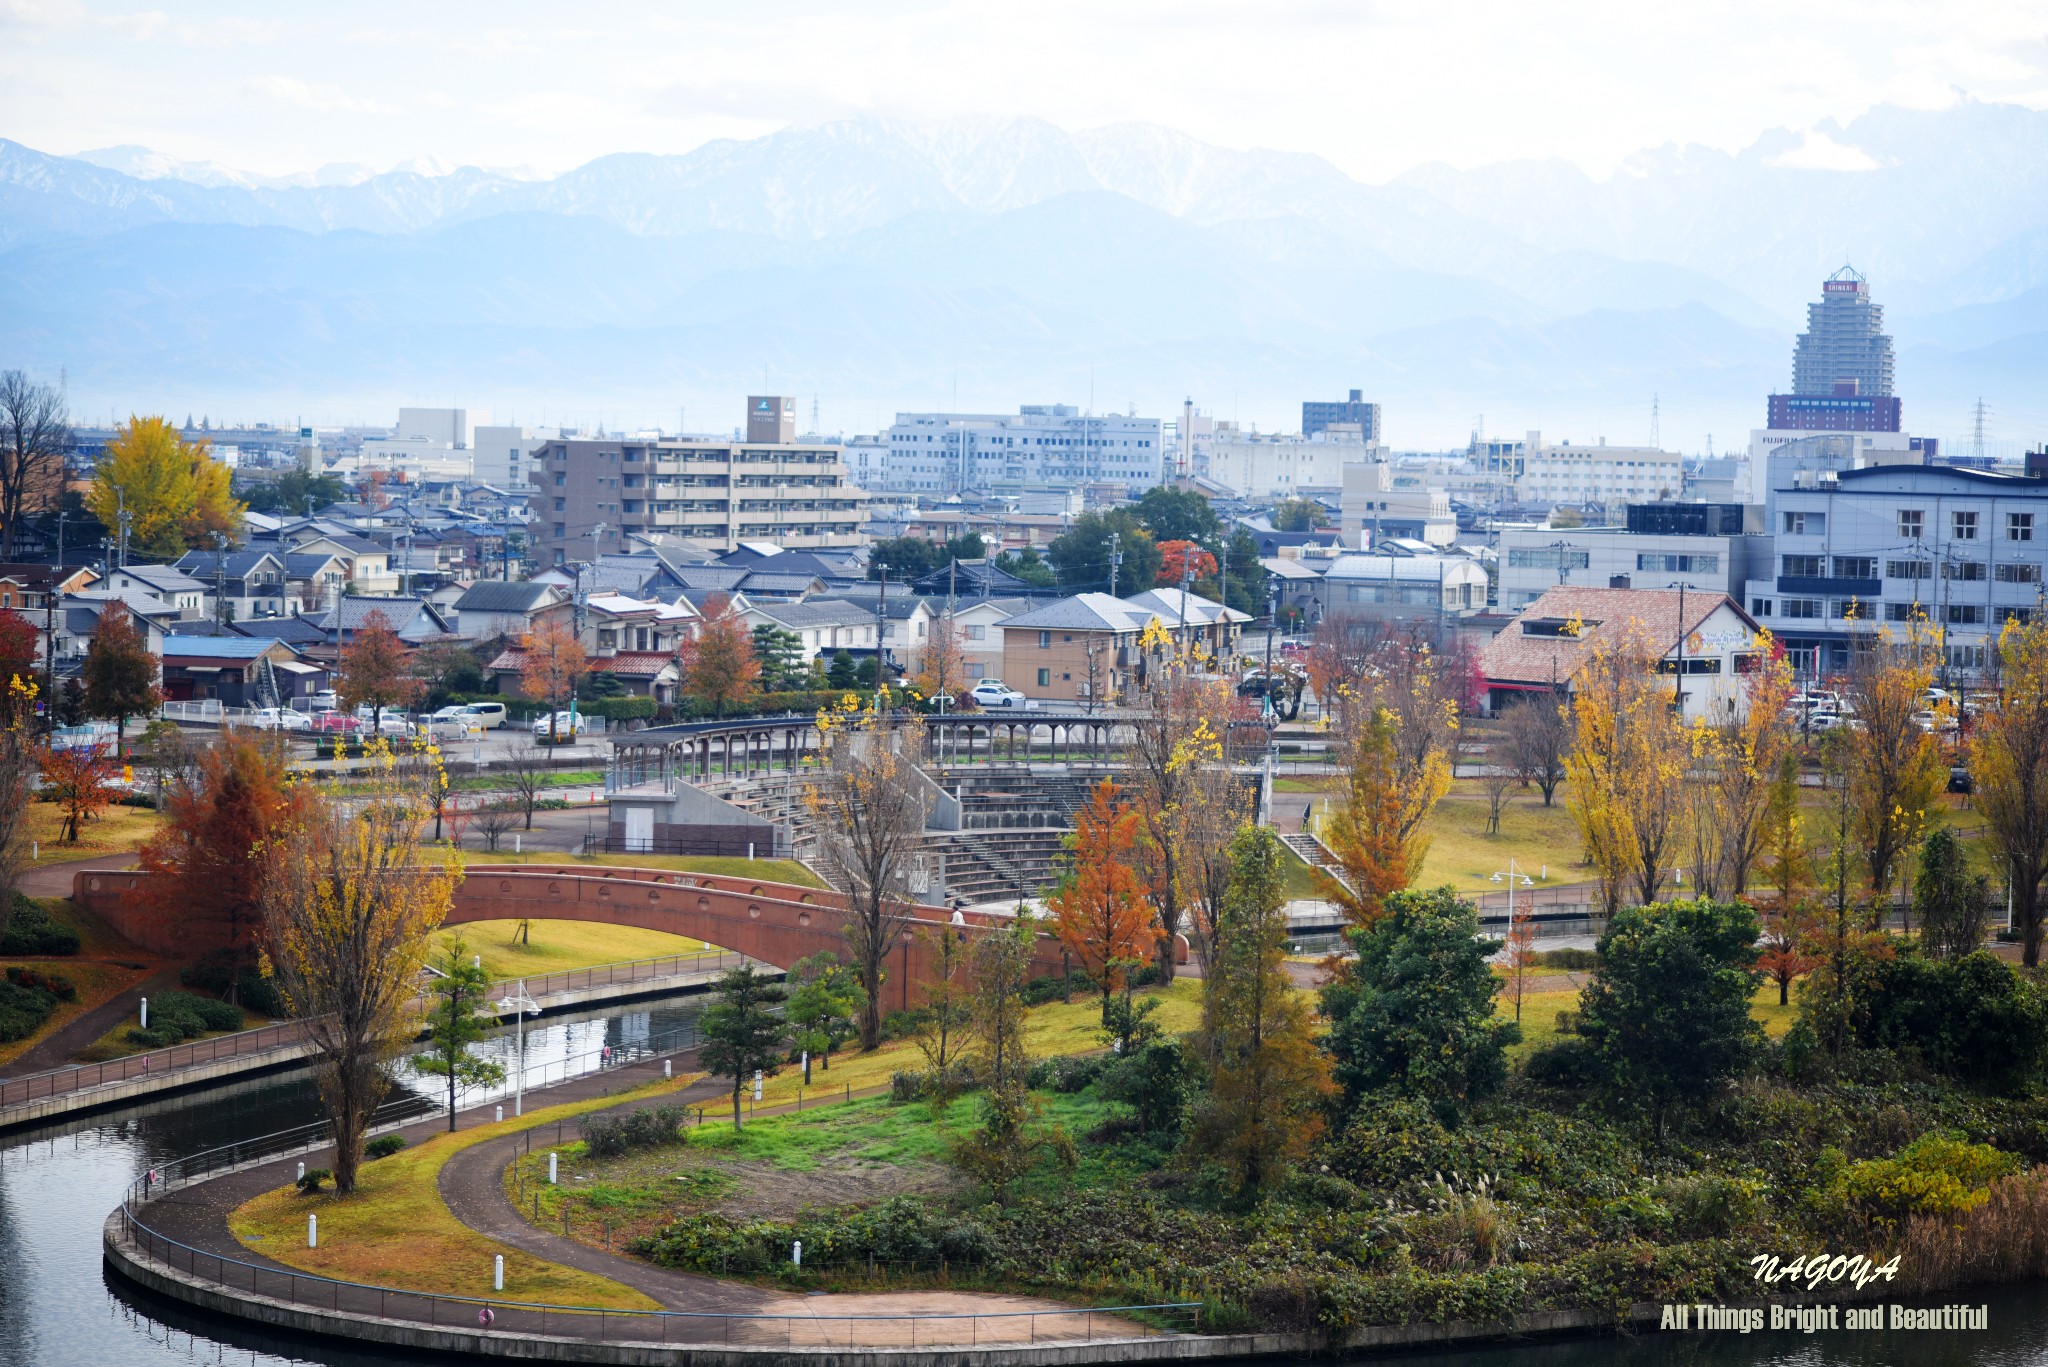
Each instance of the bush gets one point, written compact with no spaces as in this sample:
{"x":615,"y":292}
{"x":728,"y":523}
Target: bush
{"x":314,"y":1177}
{"x":31,"y":933}
{"x":23,"y":1010}
{"x":1567,"y":1063}
{"x":1067,"y":1072}
{"x":252,"y":989}
{"x":916,"y":1085}
{"x":384,"y":1147}
{"x":619,"y":709}
{"x":56,"y":985}
{"x":1039,"y":991}
{"x":1976,"y":1018}
{"x":1933,"y":1175}
{"x":177,"y":1016}
{"x":608,"y":1136}
{"x":1571,"y":960}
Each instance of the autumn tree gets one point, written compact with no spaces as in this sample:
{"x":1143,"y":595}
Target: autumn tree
{"x":551,"y":661}
{"x":119,"y":672}
{"x":18,"y":688}
{"x":1179,"y":560}
{"x":942,"y":664}
{"x":824,"y":997}
{"x":375,"y":672}
{"x":1518,"y":952}
{"x":1100,"y":910}
{"x":718,"y":666}
{"x":18,"y":773}
{"x":350,"y":905}
{"x":458,"y":1017}
{"x":221,"y":821}
{"x":1627,"y":767}
{"x":1896,"y":774}
{"x":868,"y":808}
{"x":1783,"y":956}
{"x":79,"y":779}
{"x":1737,"y":763}
{"x":1299,"y":515}
{"x":1375,"y":830}
{"x":173,"y":494}
{"x":2009,"y":768}
{"x":1178,"y":783}
{"x":945,"y":1001}
{"x":34,"y":434}
{"x":1009,"y":1144}
{"x":1536,"y":735}
{"x":1268,"y":1077}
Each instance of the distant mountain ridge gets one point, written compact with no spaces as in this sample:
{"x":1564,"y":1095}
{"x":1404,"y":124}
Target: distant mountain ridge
{"x":872,"y":256}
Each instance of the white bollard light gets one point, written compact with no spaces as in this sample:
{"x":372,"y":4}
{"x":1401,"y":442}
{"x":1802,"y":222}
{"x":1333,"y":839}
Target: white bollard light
{"x":551,"y":1169}
{"x":145,"y":1013}
{"x":312,"y":1231}
{"x":668,"y":1067}
{"x":498,"y":1273}
{"x":757,"y":1084}
{"x":796,"y":1252}
{"x":500,"y":1117}
{"x":515,"y":842}
{"x":302,"y":1172}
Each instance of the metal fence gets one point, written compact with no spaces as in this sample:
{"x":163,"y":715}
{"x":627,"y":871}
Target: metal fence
{"x":290,"y":1034}
{"x":496,"y":1314}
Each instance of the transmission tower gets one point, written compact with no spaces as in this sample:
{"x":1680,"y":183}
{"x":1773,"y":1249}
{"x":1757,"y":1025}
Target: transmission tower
{"x":1656,"y":426}
{"x":1977,"y":432}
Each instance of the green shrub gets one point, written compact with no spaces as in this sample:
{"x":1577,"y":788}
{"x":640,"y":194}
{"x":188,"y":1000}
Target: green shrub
{"x":178,"y":1016}
{"x":252,"y":989}
{"x":1933,"y":1175}
{"x":611,"y":1136}
{"x":1571,"y":960}
{"x":1566,"y":1063}
{"x":1040,"y":991}
{"x":31,"y":933}
{"x":314,"y":1177}
{"x":1976,"y":1018}
{"x":384,"y":1146}
{"x":1067,"y":1072}
{"x":917,"y":1084}
{"x":23,"y":1010}
{"x":55,"y":984}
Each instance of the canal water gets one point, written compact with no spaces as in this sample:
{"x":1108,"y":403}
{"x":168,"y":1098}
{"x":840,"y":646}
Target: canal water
{"x":57,"y":1308}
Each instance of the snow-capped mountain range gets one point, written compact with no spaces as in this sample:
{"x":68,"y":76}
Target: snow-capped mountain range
{"x":883,"y":263}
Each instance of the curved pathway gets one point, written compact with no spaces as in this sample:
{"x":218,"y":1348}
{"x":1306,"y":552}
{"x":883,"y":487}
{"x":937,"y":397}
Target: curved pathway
{"x":471,"y":1183}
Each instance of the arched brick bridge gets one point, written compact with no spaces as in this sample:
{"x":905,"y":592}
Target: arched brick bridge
{"x":777,"y":923}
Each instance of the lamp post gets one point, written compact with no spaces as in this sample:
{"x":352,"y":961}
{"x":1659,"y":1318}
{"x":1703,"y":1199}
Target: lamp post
{"x":519,"y":1007}
{"x":1509,"y":878}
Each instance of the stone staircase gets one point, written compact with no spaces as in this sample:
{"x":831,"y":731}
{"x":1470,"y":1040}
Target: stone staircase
{"x":1314,"y":853}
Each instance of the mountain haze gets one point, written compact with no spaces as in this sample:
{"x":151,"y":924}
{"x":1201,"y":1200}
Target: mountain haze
{"x":882,"y":264}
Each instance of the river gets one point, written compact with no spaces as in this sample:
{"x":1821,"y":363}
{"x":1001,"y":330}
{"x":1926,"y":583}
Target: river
{"x":57,"y":1185}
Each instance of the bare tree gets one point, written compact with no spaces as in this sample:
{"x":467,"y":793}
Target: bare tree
{"x":350,"y":905}
{"x":1537,"y":736}
{"x":1177,"y":747}
{"x":1499,"y":782}
{"x":17,"y":785}
{"x":34,"y":432}
{"x":491,"y":820}
{"x":869,"y":812}
{"x":528,"y":777}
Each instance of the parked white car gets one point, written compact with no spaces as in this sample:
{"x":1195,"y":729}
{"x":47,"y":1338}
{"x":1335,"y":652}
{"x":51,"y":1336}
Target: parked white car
{"x":996,"y":693}
{"x":489,"y":715}
{"x":279,"y":719}
{"x":563,"y":724}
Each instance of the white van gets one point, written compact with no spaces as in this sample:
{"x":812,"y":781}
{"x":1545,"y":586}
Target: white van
{"x":489,"y":715}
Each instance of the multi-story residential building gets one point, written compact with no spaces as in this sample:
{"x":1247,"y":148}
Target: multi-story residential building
{"x":1351,"y":412}
{"x":1844,"y":352}
{"x":1562,"y":474}
{"x":1088,"y":646}
{"x":1859,"y":550}
{"x":1701,"y":545}
{"x":1375,"y":505}
{"x":1041,"y":445}
{"x":594,"y":493}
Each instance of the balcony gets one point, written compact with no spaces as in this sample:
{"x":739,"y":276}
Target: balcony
{"x":1830,"y":587}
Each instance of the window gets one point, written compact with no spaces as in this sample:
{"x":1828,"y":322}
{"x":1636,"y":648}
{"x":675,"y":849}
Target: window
{"x":1658,"y":562}
{"x":1971,"y":571}
{"x":561,"y":479}
{"x":1045,"y":678}
{"x":1759,"y":607}
{"x":1901,"y":612}
{"x":1044,"y":643}
{"x":1908,"y":569}
{"x":1846,"y":610}
{"x":1802,"y":607}
{"x":1855,"y":567}
{"x":1546,"y":558}
{"x":977,"y":633}
{"x":1965,"y":614}
{"x":1910,"y":520}
{"x":1805,"y":566}
{"x":1805,"y":524}
{"x":1963,"y":526}
{"x":2019,"y":573}
{"x":2019,"y":526}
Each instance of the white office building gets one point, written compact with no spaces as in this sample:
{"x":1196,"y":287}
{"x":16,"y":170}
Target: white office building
{"x":1041,"y":445}
{"x":1278,"y":466}
{"x":1562,"y":474}
{"x":1702,"y":546}
{"x":502,"y":456}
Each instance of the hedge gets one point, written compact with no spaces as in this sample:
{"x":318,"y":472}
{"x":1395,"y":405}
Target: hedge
{"x":31,"y":933}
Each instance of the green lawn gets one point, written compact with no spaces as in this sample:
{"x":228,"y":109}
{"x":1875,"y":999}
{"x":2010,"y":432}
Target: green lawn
{"x":1462,"y":854}
{"x":557,"y":946}
{"x":767,"y":870}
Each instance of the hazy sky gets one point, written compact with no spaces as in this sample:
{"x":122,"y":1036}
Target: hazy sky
{"x":1375,"y":87}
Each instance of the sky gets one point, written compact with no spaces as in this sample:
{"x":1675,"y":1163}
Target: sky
{"x":1376,"y":87}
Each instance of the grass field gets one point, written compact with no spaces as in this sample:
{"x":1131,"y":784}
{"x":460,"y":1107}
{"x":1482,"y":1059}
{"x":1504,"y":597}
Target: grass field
{"x":1060,"y":1028}
{"x":116,"y":830}
{"x":395,"y":1230}
{"x":1462,"y":854}
{"x":96,"y":982}
{"x":556,"y":946}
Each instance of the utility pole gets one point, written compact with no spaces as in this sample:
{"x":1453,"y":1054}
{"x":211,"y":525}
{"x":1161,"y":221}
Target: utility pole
{"x":881,"y":607}
{"x":220,"y":579}
{"x":1116,"y":558}
{"x":50,"y":626}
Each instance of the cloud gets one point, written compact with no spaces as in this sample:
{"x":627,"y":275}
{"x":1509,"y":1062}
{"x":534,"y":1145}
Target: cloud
{"x":300,"y":94}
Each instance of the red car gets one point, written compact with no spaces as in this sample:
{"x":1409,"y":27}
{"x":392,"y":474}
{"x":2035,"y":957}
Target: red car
{"x":343,"y":723}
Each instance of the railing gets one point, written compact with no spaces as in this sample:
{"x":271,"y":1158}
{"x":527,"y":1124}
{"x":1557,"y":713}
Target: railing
{"x":271,"y":1038}
{"x":496,"y":1314}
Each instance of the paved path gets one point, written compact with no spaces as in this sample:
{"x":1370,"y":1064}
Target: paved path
{"x":52,"y":877}
{"x":470,"y":1182}
{"x":55,"y":1050}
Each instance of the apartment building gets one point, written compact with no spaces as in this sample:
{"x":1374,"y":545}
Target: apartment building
{"x":1858,"y":550}
{"x":1040,"y":446}
{"x":594,"y":493}
{"x":1563,"y":474}
{"x":1701,"y":545}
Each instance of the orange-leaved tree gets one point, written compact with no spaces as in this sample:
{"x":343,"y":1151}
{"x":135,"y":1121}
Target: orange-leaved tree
{"x":79,"y":779}
{"x":1177,"y":558}
{"x":375,"y":671}
{"x":719,"y":667}
{"x":1375,"y":830}
{"x":119,"y":672}
{"x":551,"y":663}
{"x":1100,"y":909}
{"x":219,"y":823}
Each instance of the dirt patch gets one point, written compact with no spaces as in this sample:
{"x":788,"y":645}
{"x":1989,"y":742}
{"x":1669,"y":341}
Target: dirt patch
{"x":766,"y":1192}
